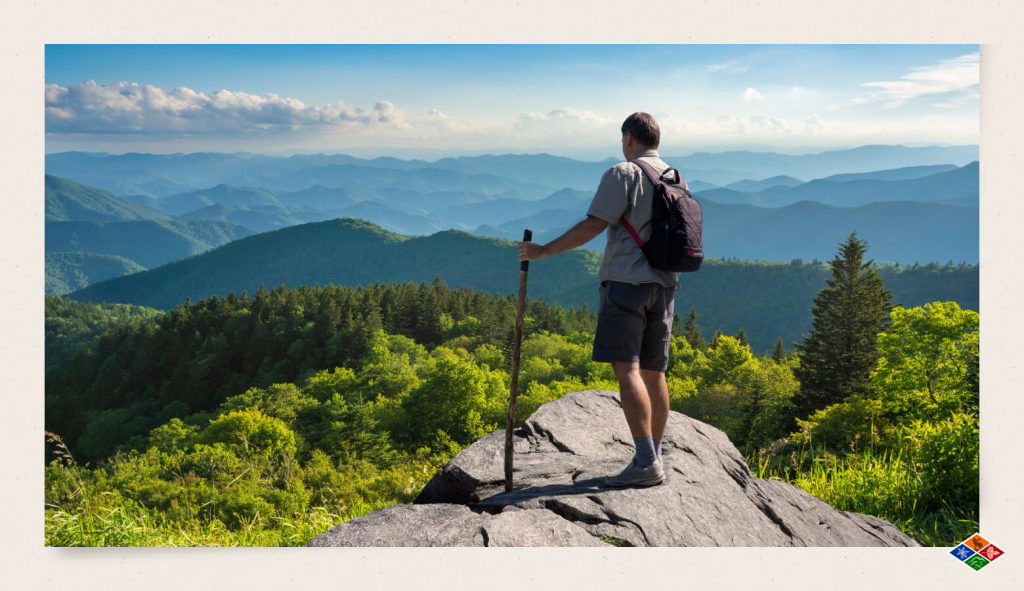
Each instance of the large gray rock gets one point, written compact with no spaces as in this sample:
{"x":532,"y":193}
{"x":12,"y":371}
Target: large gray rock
{"x":445,"y":524}
{"x":709,"y":499}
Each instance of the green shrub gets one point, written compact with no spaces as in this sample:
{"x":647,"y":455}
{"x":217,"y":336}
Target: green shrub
{"x":173,"y":435}
{"x":945,"y":456}
{"x":249,"y":432}
{"x":844,"y":427}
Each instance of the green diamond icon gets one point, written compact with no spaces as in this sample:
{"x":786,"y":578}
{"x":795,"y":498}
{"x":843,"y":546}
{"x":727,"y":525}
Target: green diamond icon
{"x":976,"y":562}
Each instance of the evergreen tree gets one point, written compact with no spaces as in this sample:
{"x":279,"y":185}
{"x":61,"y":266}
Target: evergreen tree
{"x":741,"y":336}
{"x":692,"y":331}
{"x":837,"y":356}
{"x":779,"y":351}
{"x":714,"y":338}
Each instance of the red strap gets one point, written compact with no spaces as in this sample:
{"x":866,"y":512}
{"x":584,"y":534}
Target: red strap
{"x":632,"y":232}
{"x":655,"y":180}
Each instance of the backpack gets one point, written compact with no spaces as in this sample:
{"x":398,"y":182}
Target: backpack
{"x":675,"y":243}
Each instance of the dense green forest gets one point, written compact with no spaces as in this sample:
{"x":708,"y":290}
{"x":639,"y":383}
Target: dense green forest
{"x":190,"y":359}
{"x":766,"y":299}
{"x":73,"y":328}
{"x":265,"y":419}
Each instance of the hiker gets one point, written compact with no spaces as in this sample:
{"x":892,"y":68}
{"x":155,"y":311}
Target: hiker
{"x":634,"y":320}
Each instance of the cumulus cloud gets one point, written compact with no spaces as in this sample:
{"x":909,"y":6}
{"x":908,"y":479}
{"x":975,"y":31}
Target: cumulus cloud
{"x":565,"y":122}
{"x":752,"y":94}
{"x":761,"y":125}
{"x":562,"y":118}
{"x":130,"y":107}
{"x":956,"y":77}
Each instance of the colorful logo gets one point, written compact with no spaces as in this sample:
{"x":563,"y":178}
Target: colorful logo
{"x":976,"y":552}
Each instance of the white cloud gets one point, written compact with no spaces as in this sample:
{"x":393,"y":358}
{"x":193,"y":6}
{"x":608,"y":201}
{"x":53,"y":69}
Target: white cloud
{"x":731,"y":67}
{"x":562,"y":121}
{"x":752,"y":94}
{"x":956,"y":76}
{"x":130,"y":107}
{"x":759,"y":125}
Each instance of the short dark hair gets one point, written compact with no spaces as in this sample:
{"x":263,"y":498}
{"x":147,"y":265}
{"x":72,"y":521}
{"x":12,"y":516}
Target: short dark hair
{"x":644,"y":128}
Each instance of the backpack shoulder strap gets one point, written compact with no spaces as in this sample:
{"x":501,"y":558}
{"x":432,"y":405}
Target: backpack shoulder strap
{"x":649,"y":170}
{"x":632,"y":232}
{"x":651,"y":174}
{"x":655,"y":177}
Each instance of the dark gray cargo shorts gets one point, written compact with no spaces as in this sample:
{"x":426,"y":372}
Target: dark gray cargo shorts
{"x":634,"y":323}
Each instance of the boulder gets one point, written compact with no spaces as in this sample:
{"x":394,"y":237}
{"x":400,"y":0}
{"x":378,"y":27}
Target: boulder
{"x":561,"y":453}
{"x":447,"y":524}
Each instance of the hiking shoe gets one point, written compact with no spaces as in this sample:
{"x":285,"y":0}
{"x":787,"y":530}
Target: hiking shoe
{"x":633,"y":475}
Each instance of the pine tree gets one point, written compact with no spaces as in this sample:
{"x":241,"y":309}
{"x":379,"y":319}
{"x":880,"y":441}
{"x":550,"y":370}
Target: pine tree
{"x":741,"y":336}
{"x":692,"y":332}
{"x":779,"y":351}
{"x":714,"y":338}
{"x":837,"y":356}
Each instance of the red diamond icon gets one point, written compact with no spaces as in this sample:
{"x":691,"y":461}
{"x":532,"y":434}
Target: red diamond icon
{"x":991,"y":552}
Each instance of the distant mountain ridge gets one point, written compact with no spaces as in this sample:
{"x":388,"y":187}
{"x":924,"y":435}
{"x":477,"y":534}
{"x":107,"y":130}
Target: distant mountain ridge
{"x":759,"y":165}
{"x":747,"y":215}
{"x":91,"y":235}
{"x":893,"y":174}
{"x":534,"y":174}
{"x":750,"y":186}
{"x":67,"y":200}
{"x":960,"y":183}
{"x":221,"y":194}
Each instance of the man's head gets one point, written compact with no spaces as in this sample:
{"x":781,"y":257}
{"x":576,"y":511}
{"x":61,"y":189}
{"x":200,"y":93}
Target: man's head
{"x":639,"y":132}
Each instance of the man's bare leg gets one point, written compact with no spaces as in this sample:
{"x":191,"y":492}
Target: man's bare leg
{"x":657,"y":393}
{"x":636,"y":405}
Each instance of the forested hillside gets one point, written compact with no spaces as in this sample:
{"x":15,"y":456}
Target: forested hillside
{"x":191,"y":358}
{"x":92,"y":235}
{"x":68,"y":271}
{"x":67,"y":200}
{"x":768,"y":300}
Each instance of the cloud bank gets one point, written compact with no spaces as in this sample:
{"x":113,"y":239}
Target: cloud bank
{"x":114,"y":116}
{"x":130,"y":107}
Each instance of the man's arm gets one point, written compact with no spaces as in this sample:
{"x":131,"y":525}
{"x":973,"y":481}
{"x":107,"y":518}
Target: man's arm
{"x":582,"y":233}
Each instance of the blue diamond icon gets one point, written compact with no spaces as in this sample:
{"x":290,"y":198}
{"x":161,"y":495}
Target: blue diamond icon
{"x":962,"y":552}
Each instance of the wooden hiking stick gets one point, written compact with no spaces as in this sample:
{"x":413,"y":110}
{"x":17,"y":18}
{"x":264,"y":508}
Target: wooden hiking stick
{"x":524,"y":267}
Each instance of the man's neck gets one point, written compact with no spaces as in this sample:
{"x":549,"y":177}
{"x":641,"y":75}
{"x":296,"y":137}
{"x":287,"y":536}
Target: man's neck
{"x":643,"y":152}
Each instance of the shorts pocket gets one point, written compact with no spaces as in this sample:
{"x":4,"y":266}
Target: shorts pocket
{"x":629,"y":297}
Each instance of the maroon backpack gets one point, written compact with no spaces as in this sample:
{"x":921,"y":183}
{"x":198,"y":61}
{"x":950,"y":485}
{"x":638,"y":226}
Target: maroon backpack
{"x":675,"y":243}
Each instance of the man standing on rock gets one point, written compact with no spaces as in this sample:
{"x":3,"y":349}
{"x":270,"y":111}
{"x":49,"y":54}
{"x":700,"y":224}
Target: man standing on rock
{"x":634,"y":320}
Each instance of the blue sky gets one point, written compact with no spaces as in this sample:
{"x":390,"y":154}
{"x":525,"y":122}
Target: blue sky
{"x":566,"y":99}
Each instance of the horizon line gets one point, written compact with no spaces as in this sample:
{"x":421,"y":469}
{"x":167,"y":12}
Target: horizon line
{"x":497,"y":152}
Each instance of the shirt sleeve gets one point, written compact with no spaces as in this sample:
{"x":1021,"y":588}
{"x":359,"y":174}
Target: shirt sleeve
{"x":612,"y":196}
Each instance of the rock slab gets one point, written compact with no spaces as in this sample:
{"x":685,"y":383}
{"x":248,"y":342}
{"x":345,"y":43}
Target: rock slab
{"x":710,"y":497}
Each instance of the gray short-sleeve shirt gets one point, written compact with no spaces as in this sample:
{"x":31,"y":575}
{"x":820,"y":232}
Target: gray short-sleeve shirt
{"x":625,"y":190}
